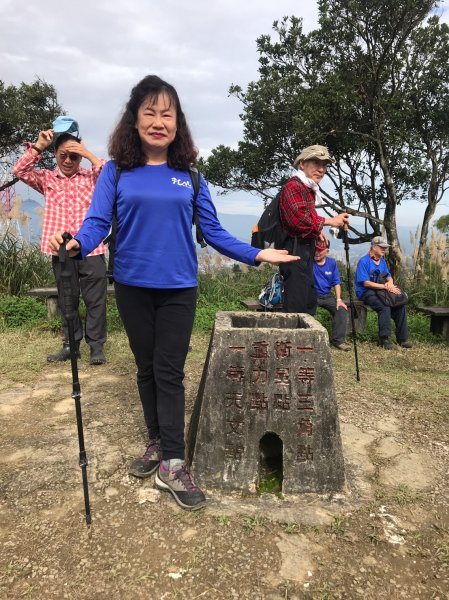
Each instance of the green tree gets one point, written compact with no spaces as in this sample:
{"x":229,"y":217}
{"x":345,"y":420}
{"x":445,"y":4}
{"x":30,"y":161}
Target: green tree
{"x":425,"y":119}
{"x":442,"y":224}
{"x":370,"y":83}
{"x":25,"y":110}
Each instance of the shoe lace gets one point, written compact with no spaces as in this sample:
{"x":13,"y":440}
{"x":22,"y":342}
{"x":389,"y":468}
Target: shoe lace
{"x":186,"y":479}
{"x":153,"y":446}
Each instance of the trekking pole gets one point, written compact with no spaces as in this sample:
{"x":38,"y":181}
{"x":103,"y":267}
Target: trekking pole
{"x":344,"y":235}
{"x":70,"y":313}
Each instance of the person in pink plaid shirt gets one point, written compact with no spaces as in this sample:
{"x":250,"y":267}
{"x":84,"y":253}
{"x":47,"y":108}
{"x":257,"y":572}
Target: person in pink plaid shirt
{"x":67,"y":191}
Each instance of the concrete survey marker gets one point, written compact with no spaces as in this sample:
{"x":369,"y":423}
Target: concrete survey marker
{"x":267,"y":399}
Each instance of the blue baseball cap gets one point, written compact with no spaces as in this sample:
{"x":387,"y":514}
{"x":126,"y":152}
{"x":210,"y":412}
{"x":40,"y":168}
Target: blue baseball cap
{"x":65,"y":124}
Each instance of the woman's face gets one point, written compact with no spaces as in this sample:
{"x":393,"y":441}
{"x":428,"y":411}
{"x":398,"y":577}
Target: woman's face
{"x":156,"y":125}
{"x":314,"y":169}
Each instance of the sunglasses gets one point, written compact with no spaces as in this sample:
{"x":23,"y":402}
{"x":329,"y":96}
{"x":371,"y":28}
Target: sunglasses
{"x":72,"y":156}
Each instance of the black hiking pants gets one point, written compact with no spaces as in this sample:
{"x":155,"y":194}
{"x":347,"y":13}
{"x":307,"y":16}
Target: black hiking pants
{"x":299,"y":286}
{"x":158,"y":323}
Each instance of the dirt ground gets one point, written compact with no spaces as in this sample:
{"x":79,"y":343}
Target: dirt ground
{"x":385,"y":536}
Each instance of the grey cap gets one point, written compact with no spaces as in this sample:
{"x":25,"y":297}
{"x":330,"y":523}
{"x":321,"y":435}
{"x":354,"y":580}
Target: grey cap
{"x":319,"y":152}
{"x":380,"y":241}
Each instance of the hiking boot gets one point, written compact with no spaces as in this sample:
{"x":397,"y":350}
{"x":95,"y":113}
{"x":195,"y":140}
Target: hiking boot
{"x":177,"y":480}
{"x":64,"y":354}
{"x":97,"y":356}
{"x":343,"y":346}
{"x":405,"y":344}
{"x":385,"y":343}
{"x":149,"y":462}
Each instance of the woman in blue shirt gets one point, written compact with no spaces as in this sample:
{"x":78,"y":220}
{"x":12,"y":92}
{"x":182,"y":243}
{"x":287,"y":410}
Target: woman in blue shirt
{"x":155,"y":266}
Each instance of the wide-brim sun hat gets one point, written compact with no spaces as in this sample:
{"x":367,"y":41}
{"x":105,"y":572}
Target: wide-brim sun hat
{"x":316,"y":151}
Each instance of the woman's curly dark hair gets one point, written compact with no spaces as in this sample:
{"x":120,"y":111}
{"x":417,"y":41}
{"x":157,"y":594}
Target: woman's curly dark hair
{"x":125,"y":146}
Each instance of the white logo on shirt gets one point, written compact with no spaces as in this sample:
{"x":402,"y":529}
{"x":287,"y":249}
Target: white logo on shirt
{"x":176,"y":181}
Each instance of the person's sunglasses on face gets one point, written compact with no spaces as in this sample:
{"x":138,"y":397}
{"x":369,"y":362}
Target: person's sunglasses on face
{"x":71,"y":156}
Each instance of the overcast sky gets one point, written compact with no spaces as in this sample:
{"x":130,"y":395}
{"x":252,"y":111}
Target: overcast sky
{"x":94,"y":52}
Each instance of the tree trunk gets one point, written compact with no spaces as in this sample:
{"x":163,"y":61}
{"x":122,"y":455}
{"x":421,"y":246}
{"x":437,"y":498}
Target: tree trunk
{"x":395,"y":253}
{"x":432,"y":201}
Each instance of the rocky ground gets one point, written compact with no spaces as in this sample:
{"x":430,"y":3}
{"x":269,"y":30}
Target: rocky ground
{"x":385,"y":536}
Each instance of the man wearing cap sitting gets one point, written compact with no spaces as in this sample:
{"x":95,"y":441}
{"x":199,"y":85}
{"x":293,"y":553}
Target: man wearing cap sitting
{"x":368,"y":269}
{"x":304,"y":227}
{"x":67,"y":192}
{"x":326,"y":276}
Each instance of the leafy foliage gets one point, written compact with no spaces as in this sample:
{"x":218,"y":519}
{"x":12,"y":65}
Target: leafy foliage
{"x":25,"y":110}
{"x":19,"y":311}
{"x":442,"y":224}
{"x":371,"y":83}
{"x":224,"y":291}
{"x":22,"y":266}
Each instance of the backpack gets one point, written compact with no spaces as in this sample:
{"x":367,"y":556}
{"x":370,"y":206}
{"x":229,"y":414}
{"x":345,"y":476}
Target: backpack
{"x":269,"y":232}
{"x":273,"y":292}
{"x":386,"y":297}
{"x":110,"y":239}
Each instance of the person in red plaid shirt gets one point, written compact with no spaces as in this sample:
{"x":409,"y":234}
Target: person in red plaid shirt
{"x":67,"y":191}
{"x":304,"y":227}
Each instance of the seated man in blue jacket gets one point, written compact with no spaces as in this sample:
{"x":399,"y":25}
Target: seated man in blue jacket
{"x":368,"y":269}
{"x":326,"y":277}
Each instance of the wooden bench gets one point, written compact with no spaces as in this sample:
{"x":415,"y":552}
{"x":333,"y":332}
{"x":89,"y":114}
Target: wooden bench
{"x":439,"y":319}
{"x":360,"y":315}
{"x":51,"y":296}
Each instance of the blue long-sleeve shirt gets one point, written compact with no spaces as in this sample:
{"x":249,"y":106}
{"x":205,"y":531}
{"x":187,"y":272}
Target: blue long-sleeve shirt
{"x":154,"y":242}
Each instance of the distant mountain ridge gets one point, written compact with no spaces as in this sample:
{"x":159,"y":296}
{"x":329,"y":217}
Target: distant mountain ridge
{"x":239,"y":225}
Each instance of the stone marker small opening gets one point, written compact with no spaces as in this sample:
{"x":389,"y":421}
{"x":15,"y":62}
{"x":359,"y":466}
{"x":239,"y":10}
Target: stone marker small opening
{"x":270,"y":474}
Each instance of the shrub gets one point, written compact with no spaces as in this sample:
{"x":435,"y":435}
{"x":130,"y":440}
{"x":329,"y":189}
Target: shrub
{"x":22,"y":266}
{"x":429,"y":286}
{"x":223,"y":290}
{"x":113,"y":318}
{"x":17,"y":311}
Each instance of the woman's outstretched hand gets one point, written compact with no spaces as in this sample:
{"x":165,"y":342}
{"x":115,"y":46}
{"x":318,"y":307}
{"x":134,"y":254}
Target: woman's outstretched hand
{"x":270,"y":255}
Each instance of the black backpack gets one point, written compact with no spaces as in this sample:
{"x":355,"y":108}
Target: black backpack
{"x":386,"y":297}
{"x":269,"y":232}
{"x":110,"y":239}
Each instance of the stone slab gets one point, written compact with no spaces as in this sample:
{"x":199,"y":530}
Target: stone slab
{"x":267,"y":387}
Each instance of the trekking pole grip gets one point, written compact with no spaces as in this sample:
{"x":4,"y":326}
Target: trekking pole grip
{"x":66,"y":277}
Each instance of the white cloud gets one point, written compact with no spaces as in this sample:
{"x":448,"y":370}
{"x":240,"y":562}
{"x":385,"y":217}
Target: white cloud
{"x":95,"y":51}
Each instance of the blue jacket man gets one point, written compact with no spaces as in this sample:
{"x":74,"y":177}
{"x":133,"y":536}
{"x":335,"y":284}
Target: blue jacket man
{"x":368,"y":269}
